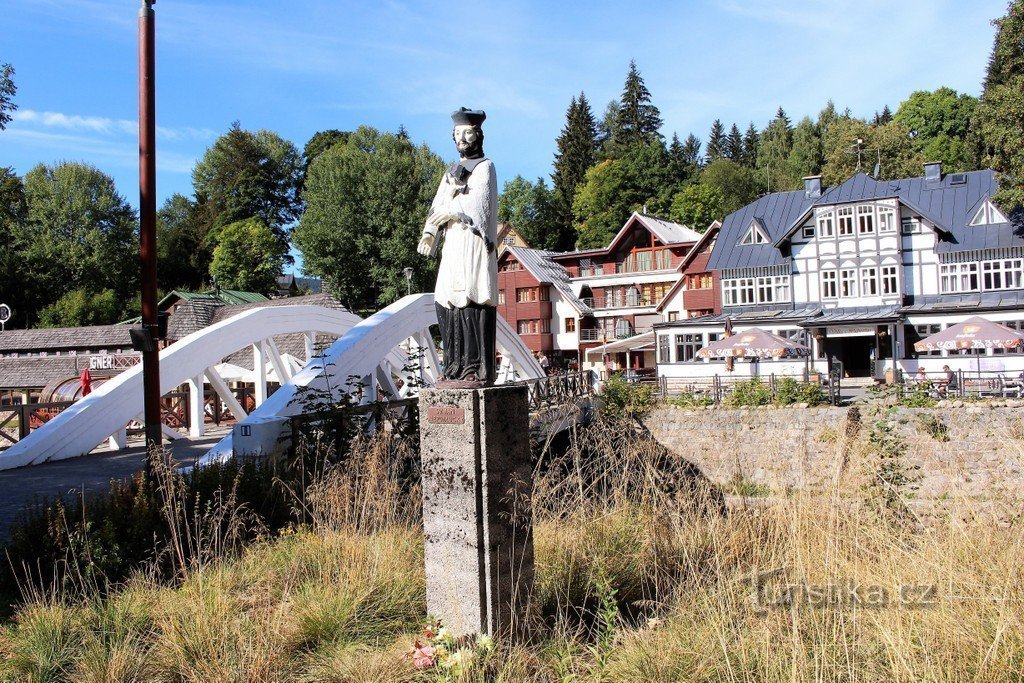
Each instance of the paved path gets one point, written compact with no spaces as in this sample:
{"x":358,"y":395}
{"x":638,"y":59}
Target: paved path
{"x":24,"y":486}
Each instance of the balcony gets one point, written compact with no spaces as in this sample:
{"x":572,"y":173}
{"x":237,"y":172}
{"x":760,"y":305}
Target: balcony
{"x":599,"y":302}
{"x":597,"y":335}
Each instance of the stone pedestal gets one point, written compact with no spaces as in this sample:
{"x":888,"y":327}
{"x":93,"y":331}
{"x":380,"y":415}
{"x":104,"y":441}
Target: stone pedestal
{"x":477,"y":485}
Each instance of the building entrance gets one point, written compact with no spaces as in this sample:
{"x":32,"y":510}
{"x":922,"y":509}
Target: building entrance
{"x":855,"y":353}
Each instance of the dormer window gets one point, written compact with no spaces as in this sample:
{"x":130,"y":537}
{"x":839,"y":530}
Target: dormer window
{"x":754,"y":235}
{"x":987,"y":214}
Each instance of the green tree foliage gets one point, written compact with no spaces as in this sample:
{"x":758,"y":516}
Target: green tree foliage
{"x":78,"y":234}
{"x":697,"y":206}
{"x":807,"y":155}
{"x":751,"y":141}
{"x":13,"y":210}
{"x":607,"y":130}
{"x":883,"y":117}
{"x":773,"y":153}
{"x":528,"y":206}
{"x":318,"y":144}
{"x":736,"y":184}
{"x":249,"y":175}
{"x":81,"y":307}
{"x":614,"y":188}
{"x":939,"y":123}
{"x":639,"y":121}
{"x":691,"y":152}
{"x":366,"y":201}
{"x":8,"y":90}
{"x":716,"y":142}
{"x":734,"y":145}
{"x":248,"y":257}
{"x":894,"y":147}
{"x":576,"y":152}
{"x":999,"y":122}
{"x":183,"y":253}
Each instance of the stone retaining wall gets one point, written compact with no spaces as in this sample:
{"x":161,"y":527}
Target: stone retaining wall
{"x":959,"y":449}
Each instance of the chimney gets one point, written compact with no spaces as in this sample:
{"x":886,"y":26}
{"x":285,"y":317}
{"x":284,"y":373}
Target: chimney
{"x":812,"y":186}
{"x":932,"y":172}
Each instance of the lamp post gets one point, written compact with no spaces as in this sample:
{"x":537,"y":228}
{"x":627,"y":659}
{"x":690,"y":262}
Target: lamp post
{"x":147,"y":223}
{"x":408,"y":278}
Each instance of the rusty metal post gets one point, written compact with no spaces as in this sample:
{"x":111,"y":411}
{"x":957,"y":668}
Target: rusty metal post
{"x":147,"y":221}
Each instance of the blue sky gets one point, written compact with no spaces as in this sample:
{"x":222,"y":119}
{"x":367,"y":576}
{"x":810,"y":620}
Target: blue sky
{"x":306,"y":65}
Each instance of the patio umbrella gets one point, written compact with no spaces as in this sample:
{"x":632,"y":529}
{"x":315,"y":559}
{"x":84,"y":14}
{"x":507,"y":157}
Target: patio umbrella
{"x":754,"y":343}
{"x":975,"y":334}
{"x":86,"y":380}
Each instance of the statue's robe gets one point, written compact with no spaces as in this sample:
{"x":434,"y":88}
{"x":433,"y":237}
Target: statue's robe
{"x":466,"y":293}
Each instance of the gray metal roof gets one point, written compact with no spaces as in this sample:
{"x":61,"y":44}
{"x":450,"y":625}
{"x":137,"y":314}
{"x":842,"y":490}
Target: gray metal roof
{"x":540,"y":265}
{"x":776,"y":212}
{"x":854,"y":314}
{"x":953,"y":303}
{"x":749,"y":315}
{"x":667,"y":231}
{"x":61,"y":338}
{"x":950,"y":207}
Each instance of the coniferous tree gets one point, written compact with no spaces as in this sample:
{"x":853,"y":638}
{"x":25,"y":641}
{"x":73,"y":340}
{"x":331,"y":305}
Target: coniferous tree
{"x":883,"y":117}
{"x":999,"y":120}
{"x":691,"y":152}
{"x":716,"y":142}
{"x":773,"y":153}
{"x":734,"y":145}
{"x":7,"y":91}
{"x":751,"y":139}
{"x":639,"y":121}
{"x":607,"y":129}
{"x":677,"y":161}
{"x":577,"y":151}
{"x":806,"y":156}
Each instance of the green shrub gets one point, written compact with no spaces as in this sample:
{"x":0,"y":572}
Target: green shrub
{"x":749,"y":393}
{"x":690,"y":399}
{"x":622,"y":398}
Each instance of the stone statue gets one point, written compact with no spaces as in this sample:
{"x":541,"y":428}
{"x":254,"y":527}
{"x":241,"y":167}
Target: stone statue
{"x":465,"y":213}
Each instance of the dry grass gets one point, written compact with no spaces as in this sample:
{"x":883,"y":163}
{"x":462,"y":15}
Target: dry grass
{"x":641,"y":577}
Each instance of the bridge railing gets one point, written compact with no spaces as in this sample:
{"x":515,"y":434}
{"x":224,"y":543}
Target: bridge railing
{"x":558,"y":389}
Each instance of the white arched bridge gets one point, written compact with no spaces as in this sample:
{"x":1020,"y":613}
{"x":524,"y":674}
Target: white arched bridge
{"x":392,"y":350}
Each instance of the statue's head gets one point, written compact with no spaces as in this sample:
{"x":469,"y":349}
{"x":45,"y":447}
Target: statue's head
{"x":467,"y":133}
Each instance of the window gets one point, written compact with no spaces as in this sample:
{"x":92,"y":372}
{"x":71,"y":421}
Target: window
{"x":533,"y":326}
{"x":687,"y":346}
{"x":623,"y":328}
{"x":825,"y":224}
{"x":501,"y":297}
{"x":663,"y":347}
{"x":987,"y":214}
{"x":570,"y":324}
{"x":739,"y":291}
{"x":510,"y":240}
{"x":829,"y":286}
{"x":526,"y":295}
{"x":958,"y":277}
{"x":886,"y":219}
{"x":869,"y":282}
{"x":908,"y":226}
{"x":845,"y":215}
{"x":809,"y":231}
{"x":773,"y":289}
{"x":890,"y":285}
{"x":848,"y":283}
{"x":866,"y":219}
{"x":926,"y":331}
{"x":1002,"y":273}
{"x":673,"y":316}
{"x":699,"y":281}
{"x":588,"y":268}
{"x":754,"y":235}
{"x":1013,"y":325}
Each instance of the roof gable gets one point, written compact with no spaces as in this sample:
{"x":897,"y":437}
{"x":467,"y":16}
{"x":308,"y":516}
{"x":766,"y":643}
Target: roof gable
{"x":540,"y":265}
{"x":667,"y":232}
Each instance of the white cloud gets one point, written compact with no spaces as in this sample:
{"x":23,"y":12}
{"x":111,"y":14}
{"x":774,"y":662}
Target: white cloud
{"x":105,"y":126}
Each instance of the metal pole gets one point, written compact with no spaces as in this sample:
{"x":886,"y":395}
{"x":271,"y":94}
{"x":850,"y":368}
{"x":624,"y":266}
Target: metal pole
{"x":147,"y":221}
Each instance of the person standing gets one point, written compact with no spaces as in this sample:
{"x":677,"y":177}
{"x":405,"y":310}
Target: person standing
{"x":465,"y":214}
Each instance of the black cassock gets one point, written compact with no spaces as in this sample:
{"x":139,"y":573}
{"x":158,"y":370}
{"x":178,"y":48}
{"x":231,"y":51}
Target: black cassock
{"x":467,"y":336}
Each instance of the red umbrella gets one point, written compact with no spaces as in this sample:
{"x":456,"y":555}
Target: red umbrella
{"x":86,"y":380}
{"x":973,"y":333}
{"x":754,"y":342}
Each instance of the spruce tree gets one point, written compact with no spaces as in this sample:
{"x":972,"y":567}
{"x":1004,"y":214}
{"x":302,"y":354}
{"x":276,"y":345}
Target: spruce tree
{"x":734,"y":144}
{"x":716,"y":142}
{"x":691,"y":152}
{"x":577,"y":151}
{"x":639,"y":121}
{"x":750,"y":141}
{"x":999,"y":120}
{"x":676,"y":161}
{"x":773,"y":153}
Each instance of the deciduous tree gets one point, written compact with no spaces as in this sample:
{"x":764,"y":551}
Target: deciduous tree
{"x":248,"y":257}
{"x":939,"y":123}
{"x":698,"y":205}
{"x":528,"y":207}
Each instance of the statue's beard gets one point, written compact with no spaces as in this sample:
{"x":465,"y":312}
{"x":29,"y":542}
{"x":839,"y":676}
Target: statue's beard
{"x":470,"y":150}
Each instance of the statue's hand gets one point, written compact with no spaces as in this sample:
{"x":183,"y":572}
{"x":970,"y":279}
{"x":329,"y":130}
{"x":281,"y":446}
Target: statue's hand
{"x":440,"y":219}
{"x":426,"y":245}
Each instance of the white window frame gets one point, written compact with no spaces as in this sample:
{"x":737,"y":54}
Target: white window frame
{"x":909,"y":225}
{"x":826,"y":223}
{"x":808,"y":231}
{"x":865,"y":219}
{"x":739,"y":291}
{"x":829,"y":284}
{"x":1009,"y":272}
{"x":886,"y":219}
{"x":869,"y":281}
{"x":889,"y":276}
{"x":987,"y":214}
{"x":754,"y":235}
{"x":847,"y":283}
{"x":846,"y":221}
{"x":955,"y":278}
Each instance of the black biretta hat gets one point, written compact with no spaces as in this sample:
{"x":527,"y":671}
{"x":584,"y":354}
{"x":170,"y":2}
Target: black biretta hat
{"x":468,"y":117}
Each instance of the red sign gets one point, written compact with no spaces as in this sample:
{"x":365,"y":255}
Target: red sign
{"x":445,"y":415}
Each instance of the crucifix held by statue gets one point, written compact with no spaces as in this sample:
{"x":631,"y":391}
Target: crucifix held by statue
{"x":463,"y":222}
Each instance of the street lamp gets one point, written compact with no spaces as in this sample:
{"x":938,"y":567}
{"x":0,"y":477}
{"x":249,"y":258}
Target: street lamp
{"x":408,"y":278}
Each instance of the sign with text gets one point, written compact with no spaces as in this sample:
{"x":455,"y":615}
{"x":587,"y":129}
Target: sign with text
{"x":446,"y":415}
{"x":101,"y":362}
